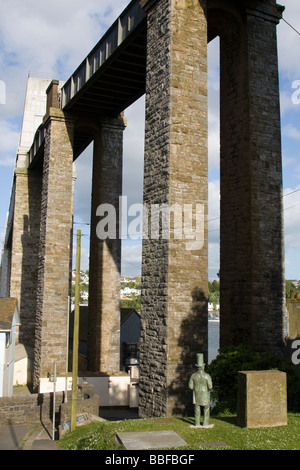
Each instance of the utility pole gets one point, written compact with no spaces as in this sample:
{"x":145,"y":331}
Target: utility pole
{"x":54,"y":400}
{"x":76,"y":335}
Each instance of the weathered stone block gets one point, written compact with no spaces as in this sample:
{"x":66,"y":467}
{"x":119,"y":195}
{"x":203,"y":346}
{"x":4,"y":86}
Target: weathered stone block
{"x":293,"y":307}
{"x":262,"y":399}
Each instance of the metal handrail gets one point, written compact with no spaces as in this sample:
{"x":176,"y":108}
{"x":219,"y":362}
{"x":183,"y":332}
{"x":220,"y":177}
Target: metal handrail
{"x":129,"y":19}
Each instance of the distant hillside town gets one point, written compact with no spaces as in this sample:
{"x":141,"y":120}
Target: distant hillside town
{"x":131,"y":292}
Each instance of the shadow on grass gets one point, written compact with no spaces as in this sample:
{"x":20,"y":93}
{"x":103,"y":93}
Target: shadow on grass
{"x":187,"y":420}
{"x":227,"y":419}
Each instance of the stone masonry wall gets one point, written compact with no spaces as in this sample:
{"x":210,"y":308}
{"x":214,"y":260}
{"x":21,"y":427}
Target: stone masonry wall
{"x":38,"y":408}
{"x":28,"y":409}
{"x":24,"y":258}
{"x":54,"y":253}
{"x":252,"y":280}
{"x":174,"y":277}
{"x":105,"y":254}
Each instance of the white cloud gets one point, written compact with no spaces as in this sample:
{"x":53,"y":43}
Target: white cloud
{"x":40,"y":35}
{"x":288,"y":40}
{"x":48,"y":39}
{"x":131,"y":258}
{"x":291,"y":218}
{"x":134,"y":152}
{"x":286,"y":161}
{"x":291,"y":131}
{"x":9,"y":141}
{"x":213,"y":105}
{"x":213,"y":229}
{"x":286,"y":101}
{"x":214,"y":148}
{"x":83,"y":186}
{"x":213,"y":199}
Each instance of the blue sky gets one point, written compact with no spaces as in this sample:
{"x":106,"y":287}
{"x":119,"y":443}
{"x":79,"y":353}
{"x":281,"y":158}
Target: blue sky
{"x":51,"y":42}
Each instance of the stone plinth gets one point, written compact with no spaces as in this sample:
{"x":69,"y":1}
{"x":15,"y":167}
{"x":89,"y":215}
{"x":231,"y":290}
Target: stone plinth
{"x":150,"y":440}
{"x":262,"y":399}
{"x":293,"y":307}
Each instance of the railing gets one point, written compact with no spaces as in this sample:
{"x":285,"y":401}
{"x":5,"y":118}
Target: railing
{"x":116,"y":35}
{"x":37,"y":142}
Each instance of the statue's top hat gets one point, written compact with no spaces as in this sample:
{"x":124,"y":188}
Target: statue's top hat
{"x":200,"y":360}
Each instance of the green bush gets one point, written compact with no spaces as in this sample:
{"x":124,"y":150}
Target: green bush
{"x":232,"y":359}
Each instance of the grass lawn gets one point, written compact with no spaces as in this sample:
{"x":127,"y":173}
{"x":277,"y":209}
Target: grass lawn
{"x":100,"y":435}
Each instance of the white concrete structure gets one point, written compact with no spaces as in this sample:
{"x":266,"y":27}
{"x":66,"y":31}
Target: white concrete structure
{"x":9,"y":323}
{"x":23,"y":365}
{"x":34,"y":111}
{"x":113,"y":390}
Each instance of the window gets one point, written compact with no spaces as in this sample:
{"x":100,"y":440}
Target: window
{"x":131,"y":351}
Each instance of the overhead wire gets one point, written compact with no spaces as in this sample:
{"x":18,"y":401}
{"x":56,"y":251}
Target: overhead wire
{"x":291,"y":26}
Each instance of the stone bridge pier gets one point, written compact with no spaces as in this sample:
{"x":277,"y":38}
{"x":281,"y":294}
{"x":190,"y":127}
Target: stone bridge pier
{"x":159,"y":48}
{"x":55,"y":242}
{"x":105,"y":255}
{"x":39,"y":248}
{"x":174,"y":296}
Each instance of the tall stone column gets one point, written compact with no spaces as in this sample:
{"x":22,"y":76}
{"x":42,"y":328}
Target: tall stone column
{"x":53,"y":289}
{"x":252,"y":274}
{"x":174,"y":271}
{"x":105,"y":249}
{"x":24,"y":248}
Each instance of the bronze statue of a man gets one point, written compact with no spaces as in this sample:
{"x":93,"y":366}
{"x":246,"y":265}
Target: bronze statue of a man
{"x":201,"y":383}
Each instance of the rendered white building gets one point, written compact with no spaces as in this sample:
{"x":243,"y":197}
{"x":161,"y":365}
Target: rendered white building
{"x":9,"y":324}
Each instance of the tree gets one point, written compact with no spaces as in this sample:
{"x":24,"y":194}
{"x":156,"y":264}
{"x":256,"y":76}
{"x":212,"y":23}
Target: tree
{"x":289,"y":285}
{"x":214,"y":291}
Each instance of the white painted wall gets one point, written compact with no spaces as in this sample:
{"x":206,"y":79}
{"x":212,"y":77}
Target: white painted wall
{"x":2,"y":361}
{"x":112,"y":391}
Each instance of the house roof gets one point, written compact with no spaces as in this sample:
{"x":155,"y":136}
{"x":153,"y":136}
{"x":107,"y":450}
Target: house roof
{"x":126,"y":312}
{"x":22,"y":351}
{"x":83,"y":320}
{"x":7,"y":310}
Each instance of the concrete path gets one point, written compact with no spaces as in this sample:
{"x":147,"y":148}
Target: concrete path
{"x":18,"y":437}
{"x":39,"y":436}
{"x":11,"y":436}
